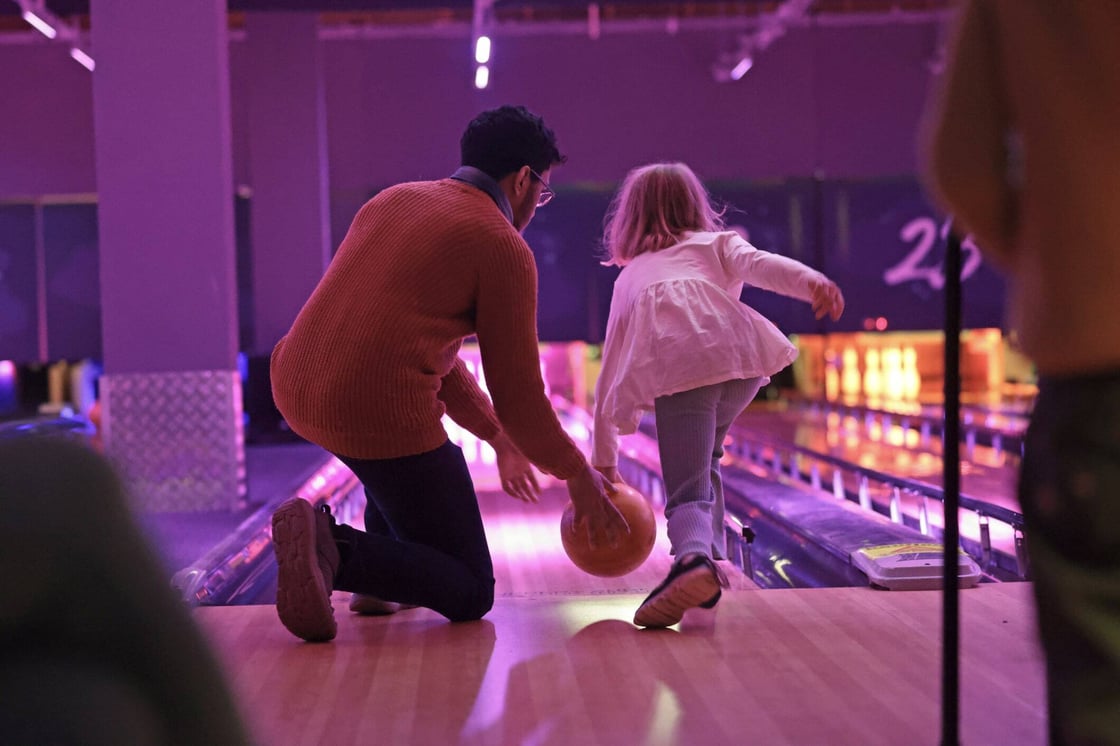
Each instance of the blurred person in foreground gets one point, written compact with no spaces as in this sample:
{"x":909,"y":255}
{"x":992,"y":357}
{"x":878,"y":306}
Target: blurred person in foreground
{"x":95,"y":649}
{"x":1022,"y":148}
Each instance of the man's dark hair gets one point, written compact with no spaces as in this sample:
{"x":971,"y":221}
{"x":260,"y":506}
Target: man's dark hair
{"x":502,"y":140}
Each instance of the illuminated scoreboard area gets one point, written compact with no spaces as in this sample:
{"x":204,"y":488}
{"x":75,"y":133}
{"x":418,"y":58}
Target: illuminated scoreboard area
{"x":892,"y":369}
{"x":908,"y":367}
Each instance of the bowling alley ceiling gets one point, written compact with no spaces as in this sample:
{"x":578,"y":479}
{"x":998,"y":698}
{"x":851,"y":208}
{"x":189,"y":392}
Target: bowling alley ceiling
{"x":513,"y":12}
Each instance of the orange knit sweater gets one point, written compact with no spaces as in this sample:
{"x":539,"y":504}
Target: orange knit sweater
{"x":370,"y":365}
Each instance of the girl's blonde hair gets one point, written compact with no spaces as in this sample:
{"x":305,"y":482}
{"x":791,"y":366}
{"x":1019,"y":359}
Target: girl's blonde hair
{"x":652,"y":208}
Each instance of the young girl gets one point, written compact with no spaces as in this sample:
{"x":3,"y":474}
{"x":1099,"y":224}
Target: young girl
{"x":680,"y":343}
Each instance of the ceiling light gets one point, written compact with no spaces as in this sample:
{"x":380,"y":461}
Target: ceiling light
{"x":84,"y":59}
{"x":41,"y":25}
{"x":741,"y":68}
{"x":482,"y":50}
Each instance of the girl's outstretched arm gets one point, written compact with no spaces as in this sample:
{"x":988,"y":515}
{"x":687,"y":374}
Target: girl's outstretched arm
{"x":781,"y":274}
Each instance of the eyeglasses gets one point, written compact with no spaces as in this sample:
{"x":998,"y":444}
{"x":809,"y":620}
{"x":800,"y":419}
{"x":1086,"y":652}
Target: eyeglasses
{"x":546,"y":194}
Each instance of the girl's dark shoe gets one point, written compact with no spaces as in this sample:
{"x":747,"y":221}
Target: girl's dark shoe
{"x":695,"y":581}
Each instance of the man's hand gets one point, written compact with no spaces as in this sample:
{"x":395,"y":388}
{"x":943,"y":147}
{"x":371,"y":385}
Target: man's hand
{"x":594,"y":512}
{"x":826,"y":298}
{"x":515,"y":470}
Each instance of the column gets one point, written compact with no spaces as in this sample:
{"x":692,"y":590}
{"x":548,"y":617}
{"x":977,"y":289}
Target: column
{"x":171,"y":396}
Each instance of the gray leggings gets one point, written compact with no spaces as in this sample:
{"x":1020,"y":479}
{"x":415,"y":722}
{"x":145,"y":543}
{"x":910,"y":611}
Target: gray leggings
{"x":691,"y":426}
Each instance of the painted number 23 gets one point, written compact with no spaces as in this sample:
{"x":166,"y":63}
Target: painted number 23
{"x":924,"y":233}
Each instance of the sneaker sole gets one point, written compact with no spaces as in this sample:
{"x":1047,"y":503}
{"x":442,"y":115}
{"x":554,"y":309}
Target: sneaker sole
{"x":370,"y":606}
{"x":687,"y":591}
{"x":302,"y":601}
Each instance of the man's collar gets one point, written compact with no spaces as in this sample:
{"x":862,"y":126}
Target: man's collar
{"x":482,"y":180}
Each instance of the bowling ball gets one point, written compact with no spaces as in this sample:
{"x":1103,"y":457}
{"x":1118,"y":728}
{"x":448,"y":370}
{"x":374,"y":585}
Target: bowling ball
{"x":631,"y":550}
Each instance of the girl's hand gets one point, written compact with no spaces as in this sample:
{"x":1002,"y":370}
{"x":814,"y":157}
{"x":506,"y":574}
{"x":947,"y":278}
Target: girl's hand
{"x":611,"y":474}
{"x":826,"y":298}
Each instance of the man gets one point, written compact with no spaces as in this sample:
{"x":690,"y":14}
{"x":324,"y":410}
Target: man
{"x":1024,"y":152}
{"x":370,"y":366}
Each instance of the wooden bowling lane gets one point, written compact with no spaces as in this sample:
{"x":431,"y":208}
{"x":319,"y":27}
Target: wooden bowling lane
{"x":557,"y":661}
{"x":529,"y":558}
{"x":831,"y":666}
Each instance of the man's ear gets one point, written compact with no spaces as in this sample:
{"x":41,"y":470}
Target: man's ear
{"x":523,"y":180}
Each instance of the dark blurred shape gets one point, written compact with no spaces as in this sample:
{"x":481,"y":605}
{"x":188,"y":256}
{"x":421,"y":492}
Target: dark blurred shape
{"x":94,"y":647}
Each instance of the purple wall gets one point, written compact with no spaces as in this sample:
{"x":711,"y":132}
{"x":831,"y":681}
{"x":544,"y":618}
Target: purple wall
{"x":46,"y":122}
{"x":844,"y":100}
{"x":841,"y":102}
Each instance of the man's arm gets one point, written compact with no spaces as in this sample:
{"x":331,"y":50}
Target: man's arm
{"x":467,"y":403}
{"x":506,"y":325}
{"x":967,"y":136}
{"x":469,"y":406}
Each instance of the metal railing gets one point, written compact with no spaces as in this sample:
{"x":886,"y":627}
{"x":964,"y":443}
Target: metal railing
{"x":785,"y":458}
{"x":236,"y":567}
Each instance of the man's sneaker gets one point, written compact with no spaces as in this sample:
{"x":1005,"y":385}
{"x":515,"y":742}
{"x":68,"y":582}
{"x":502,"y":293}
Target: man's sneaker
{"x":308,"y":560}
{"x":692,"y":582}
{"x":374,"y":606}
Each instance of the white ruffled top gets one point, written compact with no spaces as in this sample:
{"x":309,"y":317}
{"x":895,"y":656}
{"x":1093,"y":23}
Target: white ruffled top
{"x":676,"y":323}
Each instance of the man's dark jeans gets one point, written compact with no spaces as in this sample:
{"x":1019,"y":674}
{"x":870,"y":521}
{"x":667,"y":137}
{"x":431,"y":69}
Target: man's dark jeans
{"x":424,"y":542}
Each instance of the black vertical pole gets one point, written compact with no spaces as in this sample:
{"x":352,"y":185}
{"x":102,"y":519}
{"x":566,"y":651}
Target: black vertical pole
{"x":951,"y":464}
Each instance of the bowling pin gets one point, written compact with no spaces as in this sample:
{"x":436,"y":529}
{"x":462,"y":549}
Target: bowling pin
{"x":872,"y":375}
{"x":850,"y":379}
